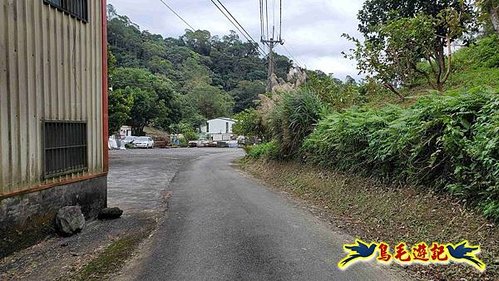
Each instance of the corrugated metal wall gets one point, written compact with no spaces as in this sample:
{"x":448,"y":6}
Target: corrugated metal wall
{"x":50,"y":69}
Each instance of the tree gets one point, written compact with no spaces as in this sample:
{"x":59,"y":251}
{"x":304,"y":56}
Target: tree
{"x":333,"y":91}
{"x":233,"y":61}
{"x":120,"y":103}
{"x":153,"y":97}
{"x":189,"y":112}
{"x":249,"y":123}
{"x":120,"y":106}
{"x":144,"y":107}
{"x":490,"y":13}
{"x":282,"y":66}
{"x":198,"y":41}
{"x":211,"y":102}
{"x":400,"y":34}
{"x":380,"y":12}
{"x":246,"y":93}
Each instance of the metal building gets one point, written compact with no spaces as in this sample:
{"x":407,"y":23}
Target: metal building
{"x":53,"y":110}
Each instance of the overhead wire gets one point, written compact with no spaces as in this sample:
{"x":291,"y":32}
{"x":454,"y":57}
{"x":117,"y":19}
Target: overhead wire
{"x":237,"y":25}
{"x":182,"y":19}
{"x":280,"y":20}
{"x":243,"y":31}
{"x":267,"y":17}
{"x":262,"y":24}
{"x":293,"y":57}
{"x":273,"y":19}
{"x":240,"y":25}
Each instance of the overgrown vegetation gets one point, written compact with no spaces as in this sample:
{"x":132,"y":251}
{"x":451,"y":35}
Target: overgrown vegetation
{"x":268,"y":150}
{"x":448,"y":143}
{"x":293,"y":118}
{"x":250,"y":124}
{"x":398,"y":35}
{"x":442,"y":135}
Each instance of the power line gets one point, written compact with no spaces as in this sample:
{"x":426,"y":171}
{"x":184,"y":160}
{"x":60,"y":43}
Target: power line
{"x":294,"y":59}
{"x":267,"y":16}
{"x":173,"y":11}
{"x":260,"y":50}
{"x":237,"y":25}
{"x":273,"y":18}
{"x":280,"y":19}
{"x":262,"y":24}
{"x":240,"y":25}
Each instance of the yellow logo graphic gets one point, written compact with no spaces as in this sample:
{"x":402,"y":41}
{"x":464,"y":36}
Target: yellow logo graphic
{"x":421,"y":253}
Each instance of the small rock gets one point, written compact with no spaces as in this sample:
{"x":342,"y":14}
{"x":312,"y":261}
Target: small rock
{"x":110,"y":213}
{"x":69,"y":220}
{"x":496,"y":261}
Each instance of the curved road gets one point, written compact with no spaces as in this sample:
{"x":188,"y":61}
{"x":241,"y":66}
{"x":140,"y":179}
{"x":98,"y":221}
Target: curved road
{"x":223,"y":225}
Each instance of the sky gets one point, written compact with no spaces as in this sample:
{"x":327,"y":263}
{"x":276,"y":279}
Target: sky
{"x":311,"y":29}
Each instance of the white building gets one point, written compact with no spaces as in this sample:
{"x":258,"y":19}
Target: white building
{"x":220,"y":129}
{"x":126,"y":131}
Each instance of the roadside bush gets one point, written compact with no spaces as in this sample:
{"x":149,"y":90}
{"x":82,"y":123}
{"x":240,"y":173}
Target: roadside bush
{"x":293,"y":119}
{"x":188,"y":132}
{"x":343,"y":139}
{"x":449,"y":143}
{"x":183,"y":141}
{"x":249,"y":124}
{"x":269,"y":150}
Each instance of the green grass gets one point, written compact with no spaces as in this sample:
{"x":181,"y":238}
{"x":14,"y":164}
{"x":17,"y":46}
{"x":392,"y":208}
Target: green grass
{"x":113,"y":258}
{"x":468,"y":79}
{"x":110,"y":260}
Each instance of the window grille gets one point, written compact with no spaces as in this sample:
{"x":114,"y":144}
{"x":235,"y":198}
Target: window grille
{"x":76,"y":8}
{"x":65,"y":147}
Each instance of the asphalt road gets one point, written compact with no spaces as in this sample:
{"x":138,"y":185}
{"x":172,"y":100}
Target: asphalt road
{"x":223,"y":225}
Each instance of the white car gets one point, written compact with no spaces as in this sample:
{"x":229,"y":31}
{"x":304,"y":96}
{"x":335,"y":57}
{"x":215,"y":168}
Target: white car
{"x":143,"y":142}
{"x":128,"y":139}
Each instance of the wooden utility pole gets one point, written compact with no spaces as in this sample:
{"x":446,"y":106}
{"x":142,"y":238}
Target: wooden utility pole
{"x":271,"y":43}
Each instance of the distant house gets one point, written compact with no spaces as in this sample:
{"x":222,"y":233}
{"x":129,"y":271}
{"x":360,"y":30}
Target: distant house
{"x":53,"y":114}
{"x":219,"y":129}
{"x":126,"y":131}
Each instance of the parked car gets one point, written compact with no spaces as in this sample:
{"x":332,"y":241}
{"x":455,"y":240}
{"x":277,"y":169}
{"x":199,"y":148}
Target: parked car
{"x":143,"y":142}
{"x":194,"y":143}
{"x":128,"y":139}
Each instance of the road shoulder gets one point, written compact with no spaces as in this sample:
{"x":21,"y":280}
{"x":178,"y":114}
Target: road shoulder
{"x":372,"y":211}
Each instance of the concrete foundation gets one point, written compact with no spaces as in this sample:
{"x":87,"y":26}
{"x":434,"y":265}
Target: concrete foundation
{"x":27,"y":219}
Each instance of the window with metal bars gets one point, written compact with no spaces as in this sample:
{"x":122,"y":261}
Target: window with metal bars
{"x":76,"y":8}
{"x":65,"y":147}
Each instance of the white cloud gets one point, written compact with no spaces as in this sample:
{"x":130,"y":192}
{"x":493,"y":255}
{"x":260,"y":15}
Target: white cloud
{"x":311,"y":29}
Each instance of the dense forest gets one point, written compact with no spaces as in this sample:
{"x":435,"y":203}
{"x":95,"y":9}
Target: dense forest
{"x":175,"y":84}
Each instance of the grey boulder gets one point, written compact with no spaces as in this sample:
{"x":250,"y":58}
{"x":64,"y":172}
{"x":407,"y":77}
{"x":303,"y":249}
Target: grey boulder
{"x":69,"y":220}
{"x":110,"y":213}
